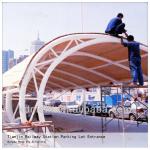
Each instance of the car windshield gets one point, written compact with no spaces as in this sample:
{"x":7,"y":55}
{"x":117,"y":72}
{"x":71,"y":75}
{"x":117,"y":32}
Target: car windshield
{"x":97,"y":103}
{"x":138,"y":104}
{"x":71,"y":103}
{"x":89,"y":103}
{"x":127,"y":103}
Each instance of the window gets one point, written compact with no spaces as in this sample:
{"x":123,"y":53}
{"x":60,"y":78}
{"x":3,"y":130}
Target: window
{"x":90,"y":97}
{"x":78,"y":97}
{"x":68,"y":98}
{"x":93,"y":90}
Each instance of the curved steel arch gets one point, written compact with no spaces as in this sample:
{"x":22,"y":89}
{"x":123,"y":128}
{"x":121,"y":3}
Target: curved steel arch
{"x":94,"y":39}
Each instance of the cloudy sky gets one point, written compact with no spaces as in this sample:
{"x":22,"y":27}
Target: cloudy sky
{"x":22,"y":21}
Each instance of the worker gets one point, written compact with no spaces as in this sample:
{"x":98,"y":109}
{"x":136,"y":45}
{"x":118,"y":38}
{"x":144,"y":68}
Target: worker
{"x":134,"y":59}
{"x":116,"y":26}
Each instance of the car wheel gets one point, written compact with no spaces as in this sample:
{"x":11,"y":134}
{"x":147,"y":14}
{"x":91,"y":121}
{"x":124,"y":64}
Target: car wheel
{"x":132,"y":117}
{"x":112,"y":115}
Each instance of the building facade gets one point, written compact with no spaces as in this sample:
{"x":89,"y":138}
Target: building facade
{"x":7,"y":57}
{"x":78,"y":95}
{"x":12,"y":62}
{"x":21,"y":58}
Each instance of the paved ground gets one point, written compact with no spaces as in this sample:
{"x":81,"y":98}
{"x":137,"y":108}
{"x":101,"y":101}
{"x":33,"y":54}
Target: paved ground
{"x":75,"y":130}
{"x":80,"y":123}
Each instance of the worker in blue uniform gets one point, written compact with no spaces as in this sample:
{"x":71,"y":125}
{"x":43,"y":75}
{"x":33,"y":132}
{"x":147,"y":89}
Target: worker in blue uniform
{"x":134,"y":58}
{"x":116,"y":26}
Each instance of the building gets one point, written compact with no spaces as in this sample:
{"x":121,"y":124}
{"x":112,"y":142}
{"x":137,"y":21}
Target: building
{"x":111,"y":96}
{"x":78,"y":95}
{"x":4,"y":61}
{"x":12,"y":62}
{"x":7,"y":56}
{"x":8,"y":60}
{"x":21,"y":58}
{"x":36,"y":45}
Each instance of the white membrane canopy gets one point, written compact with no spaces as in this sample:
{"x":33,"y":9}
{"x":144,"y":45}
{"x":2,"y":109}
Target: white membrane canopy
{"x":84,"y":60}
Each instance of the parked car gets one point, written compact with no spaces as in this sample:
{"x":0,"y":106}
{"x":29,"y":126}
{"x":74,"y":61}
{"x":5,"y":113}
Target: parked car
{"x":71,"y":107}
{"x":130,"y":110}
{"x":94,"y":108}
{"x":53,"y":103}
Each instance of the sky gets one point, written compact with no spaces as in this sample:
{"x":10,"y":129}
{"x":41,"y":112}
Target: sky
{"x":22,"y":21}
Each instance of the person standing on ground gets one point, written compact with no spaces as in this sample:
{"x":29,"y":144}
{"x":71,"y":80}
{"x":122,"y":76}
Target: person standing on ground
{"x":115,"y":26}
{"x":134,"y":58}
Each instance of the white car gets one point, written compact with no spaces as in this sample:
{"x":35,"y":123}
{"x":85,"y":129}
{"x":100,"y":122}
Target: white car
{"x":47,"y":102}
{"x":52,"y":102}
{"x":130,"y":110}
{"x":71,"y":107}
